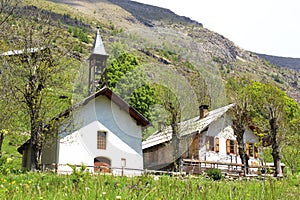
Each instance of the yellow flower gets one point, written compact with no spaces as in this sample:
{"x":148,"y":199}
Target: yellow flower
{"x":13,"y":182}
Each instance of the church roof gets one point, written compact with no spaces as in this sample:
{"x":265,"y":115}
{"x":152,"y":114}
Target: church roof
{"x":98,"y":47}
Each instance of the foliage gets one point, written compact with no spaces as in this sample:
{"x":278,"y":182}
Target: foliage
{"x":79,"y":176}
{"x":127,"y":79}
{"x":52,"y":186}
{"x":271,"y":111}
{"x":79,"y":33}
{"x":214,"y":174}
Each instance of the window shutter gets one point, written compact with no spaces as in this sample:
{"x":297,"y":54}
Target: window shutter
{"x":237,"y":148}
{"x":255,"y":151}
{"x":247,"y":149}
{"x":217,"y":145}
{"x":228,"y":146}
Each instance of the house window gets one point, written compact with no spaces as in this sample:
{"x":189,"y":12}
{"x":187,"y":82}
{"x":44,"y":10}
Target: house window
{"x":251,"y":150}
{"x":101,"y":140}
{"x":230,"y":146}
{"x":209,"y":143}
{"x":123,"y":162}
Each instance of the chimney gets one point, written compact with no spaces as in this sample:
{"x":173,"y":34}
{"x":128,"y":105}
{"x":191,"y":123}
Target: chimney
{"x":203,"y":111}
{"x":160,"y":126}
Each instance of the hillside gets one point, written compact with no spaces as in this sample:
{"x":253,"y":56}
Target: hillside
{"x":292,"y":63}
{"x":168,"y":44}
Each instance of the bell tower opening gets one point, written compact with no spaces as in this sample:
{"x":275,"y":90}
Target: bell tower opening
{"x":97,"y":65}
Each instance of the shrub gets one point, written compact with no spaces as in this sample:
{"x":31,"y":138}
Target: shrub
{"x":214,"y":174}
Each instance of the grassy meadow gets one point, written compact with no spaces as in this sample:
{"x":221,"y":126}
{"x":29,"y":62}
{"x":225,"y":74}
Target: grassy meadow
{"x":85,"y":186}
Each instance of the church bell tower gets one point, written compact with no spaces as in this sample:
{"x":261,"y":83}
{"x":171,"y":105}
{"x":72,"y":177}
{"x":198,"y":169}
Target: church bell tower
{"x":97,"y":65}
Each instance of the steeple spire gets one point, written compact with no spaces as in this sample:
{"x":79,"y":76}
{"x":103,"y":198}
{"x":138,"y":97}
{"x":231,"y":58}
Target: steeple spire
{"x":98,"y":47}
{"x":97,"y":65}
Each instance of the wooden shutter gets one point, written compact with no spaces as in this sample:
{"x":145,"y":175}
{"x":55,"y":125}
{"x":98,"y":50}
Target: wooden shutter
{"x":217,"y":145}
{"x":228,"y":146}
{"x":255,"y":151}
{"x":237,"y":148}
{"x":247,"y":149}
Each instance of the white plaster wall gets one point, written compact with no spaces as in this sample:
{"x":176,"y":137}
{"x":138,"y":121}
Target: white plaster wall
{"x":124,"y":137}
{"x":222,"y":129}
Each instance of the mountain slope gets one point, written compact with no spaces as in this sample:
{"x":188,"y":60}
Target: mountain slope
{"x":292,"y":63}
{"x":188,"y":47}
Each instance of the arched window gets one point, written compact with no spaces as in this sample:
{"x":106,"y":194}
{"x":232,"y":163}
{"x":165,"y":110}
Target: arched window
{"x":102,"y":164}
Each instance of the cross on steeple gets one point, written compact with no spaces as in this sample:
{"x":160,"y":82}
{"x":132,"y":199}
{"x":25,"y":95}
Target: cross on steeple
{"x":97,"y":65}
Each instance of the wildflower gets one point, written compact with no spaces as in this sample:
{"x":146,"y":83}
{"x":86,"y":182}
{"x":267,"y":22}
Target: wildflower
{"x":248,"y":195}
{"x":8,"y":160}
{"x":103,"y":193}
{"x":200,"y":187}
{"x":156,"y":178}
{"x":118,"y":197}
{"x":13,"y":182}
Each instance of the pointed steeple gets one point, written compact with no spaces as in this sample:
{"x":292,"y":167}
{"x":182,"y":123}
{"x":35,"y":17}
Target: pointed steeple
{"x":97,"y":65}
{"x":98,"y":47}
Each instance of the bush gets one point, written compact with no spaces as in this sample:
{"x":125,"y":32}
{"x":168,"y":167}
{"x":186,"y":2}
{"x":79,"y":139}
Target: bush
{"x":214,"y":174}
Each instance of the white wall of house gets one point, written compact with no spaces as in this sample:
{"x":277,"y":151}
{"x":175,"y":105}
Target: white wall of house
{"x":222,"y":129}
{"x":123,"y":138}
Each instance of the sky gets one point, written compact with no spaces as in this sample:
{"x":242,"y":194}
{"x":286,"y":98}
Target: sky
{"x":263,"y":26}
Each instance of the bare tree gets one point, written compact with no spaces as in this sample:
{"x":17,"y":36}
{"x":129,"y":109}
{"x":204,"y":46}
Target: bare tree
{"x":171,"y":104}
{"x":34,"y":68}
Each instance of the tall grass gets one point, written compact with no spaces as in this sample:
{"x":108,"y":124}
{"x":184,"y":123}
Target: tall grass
{"x":85,"y":186}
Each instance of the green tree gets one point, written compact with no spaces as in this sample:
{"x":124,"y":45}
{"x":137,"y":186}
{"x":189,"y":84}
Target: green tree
{"x":291,"y":137}
{"x":119,"y":67}
{"x":128,"y":79}
{"x":269,"y":113}
{"x":237,"y":93}
{"x":35,"y":71}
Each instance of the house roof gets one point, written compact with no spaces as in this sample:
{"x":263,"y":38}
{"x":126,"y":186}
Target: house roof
{"x":140,"y":119}
{"x":19,"y":52}
{"x":186,"y":128}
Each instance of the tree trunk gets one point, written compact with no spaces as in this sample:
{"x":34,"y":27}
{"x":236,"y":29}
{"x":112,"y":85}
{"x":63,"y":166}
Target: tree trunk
{"x":175,"y":143}
{"x":1,"y":142}
{"x":35,"y":142}
{"x":242,"y":152}
{"x":275,"y":148}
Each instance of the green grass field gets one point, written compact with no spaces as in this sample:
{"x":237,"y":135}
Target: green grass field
{"x":84,"y":186}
